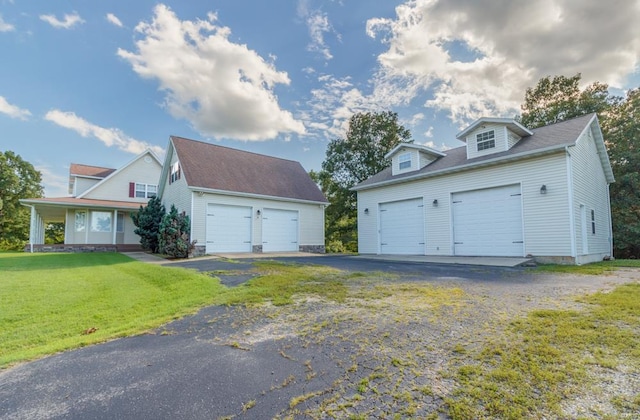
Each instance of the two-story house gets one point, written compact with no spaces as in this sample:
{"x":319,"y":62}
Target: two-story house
{"x":96,"y":215}
{"x":509,"y":191}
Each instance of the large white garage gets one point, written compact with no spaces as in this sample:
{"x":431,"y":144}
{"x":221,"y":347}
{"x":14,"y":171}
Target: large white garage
{"x":402,"y":227}
{"x":488,"y":222}
{"x":279,"y":230}
{"x":228,"y":228}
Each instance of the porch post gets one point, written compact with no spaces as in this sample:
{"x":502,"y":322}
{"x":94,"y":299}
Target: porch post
{"x":31,"y":228}
{"x":114,"y":226}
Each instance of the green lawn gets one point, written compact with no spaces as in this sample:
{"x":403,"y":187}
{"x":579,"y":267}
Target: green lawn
{"x":47,"y":301}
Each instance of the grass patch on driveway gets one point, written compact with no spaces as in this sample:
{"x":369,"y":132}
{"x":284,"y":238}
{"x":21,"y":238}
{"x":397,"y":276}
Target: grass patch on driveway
{"x":552,"y":356}
{"x":53,"y":302}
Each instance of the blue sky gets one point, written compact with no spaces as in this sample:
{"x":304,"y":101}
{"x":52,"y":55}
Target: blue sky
{"x":98,"y":82}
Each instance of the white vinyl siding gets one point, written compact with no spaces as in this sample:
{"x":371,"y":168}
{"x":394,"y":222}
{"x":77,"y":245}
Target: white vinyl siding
{"x":425,"y":159}
{"x":178,"y":194}
{"x":500,"y":139}
{"x":546,"y":217}
{"x":398,"y":161}
{"x":117,"y":186}
{"x":590,"y":191}
{"x":311,"y":216}
{"x":512,"y":139}
{"x":82,"y":184}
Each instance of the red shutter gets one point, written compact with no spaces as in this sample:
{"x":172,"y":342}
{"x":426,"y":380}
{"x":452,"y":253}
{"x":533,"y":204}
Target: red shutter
{"x":132,"y":189}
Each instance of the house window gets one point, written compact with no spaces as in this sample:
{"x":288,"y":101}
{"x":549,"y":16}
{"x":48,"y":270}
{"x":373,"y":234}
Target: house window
{"x":593,"y":222}
{"x":146,"y":190}
{"x":120,"y":223}
{"x":100,"y":221}
{"x":486,"y":140}
{"x":81,"y":221}
{"x":404,"y":161}
{"x":175,"y":172}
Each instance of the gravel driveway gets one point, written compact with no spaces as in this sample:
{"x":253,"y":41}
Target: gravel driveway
{"x":397,"y":337}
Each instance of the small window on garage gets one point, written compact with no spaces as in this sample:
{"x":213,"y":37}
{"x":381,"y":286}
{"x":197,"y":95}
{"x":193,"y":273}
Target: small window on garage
{"x":404,"y":161}
{"x":593,"y":222}
{"x":486,"y":140}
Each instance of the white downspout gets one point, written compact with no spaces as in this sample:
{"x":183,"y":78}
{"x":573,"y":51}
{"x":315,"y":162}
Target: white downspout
{"x":610,"y":222}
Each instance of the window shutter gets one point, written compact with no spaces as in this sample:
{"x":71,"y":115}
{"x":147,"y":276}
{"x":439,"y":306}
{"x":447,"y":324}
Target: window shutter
{"x":132,"y":189}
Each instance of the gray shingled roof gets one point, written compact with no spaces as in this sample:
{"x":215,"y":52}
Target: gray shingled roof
{"x":212,"y":167}
{"x":549,"y":137}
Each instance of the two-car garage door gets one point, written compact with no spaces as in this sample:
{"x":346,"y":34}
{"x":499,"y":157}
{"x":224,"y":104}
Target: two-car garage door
{"x":488,"y":222}
{"x":229,"y":229}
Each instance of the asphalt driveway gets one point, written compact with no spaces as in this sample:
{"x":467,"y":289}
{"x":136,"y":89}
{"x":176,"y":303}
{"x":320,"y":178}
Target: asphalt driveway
{"x":306,"y":359}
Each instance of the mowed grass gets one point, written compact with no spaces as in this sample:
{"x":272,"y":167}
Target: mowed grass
{"x":595,"y":269}
{"x":52,"y":302}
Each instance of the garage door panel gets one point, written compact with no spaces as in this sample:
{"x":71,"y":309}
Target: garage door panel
{"x":228,"y":228}
{"x":488,"y":222}
{"x":279,"y":230}
{"x":402,"y":227}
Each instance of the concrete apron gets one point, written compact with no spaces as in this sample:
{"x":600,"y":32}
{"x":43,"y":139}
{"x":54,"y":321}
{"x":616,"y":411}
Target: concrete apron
{"x":488,"y":261}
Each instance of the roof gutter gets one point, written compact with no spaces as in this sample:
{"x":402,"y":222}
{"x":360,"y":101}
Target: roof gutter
{"x":31,"y":202}
{"x":461,"y":168}
{"x":252,"y":195}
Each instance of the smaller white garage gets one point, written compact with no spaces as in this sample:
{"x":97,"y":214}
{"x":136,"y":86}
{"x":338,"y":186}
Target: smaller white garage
{"x":402,"y":227}
{"x":279,"y":230}
{"x":228,"y":228}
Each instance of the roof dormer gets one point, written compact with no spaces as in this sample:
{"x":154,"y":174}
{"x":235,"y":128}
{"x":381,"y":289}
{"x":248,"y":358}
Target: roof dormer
{"x":408,"y":157}
{"x":492,"y":135}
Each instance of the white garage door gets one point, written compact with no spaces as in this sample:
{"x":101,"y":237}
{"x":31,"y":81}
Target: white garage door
{"x":228,"y":228}
{"x":279,"y":230}
{"x":488,"y":222}
{"x":402,"y":227}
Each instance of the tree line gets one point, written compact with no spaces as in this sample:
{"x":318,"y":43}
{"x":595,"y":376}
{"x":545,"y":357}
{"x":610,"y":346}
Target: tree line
{"x":360,"y":154}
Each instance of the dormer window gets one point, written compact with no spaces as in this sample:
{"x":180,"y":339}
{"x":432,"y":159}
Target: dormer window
{"x":404,"y":161}
{"x":486,"y":140}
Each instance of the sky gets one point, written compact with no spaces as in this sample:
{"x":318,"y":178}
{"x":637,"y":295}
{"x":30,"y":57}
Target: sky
{"x":99,"y":82}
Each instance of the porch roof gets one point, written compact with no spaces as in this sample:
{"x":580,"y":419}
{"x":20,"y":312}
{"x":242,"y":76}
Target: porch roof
{"x":53,"y":209}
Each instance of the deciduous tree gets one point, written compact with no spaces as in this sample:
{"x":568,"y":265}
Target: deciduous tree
{"x":559,"y":98}
{"x":350,"y":160}
{"x":622,"y":135}
{"x":18,"y":179}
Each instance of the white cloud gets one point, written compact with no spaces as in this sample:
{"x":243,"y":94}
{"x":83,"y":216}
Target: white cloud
{"x":429,"y":133}
{"x":109,"y":136}
{"x":12,"y":110}
{"x":478,"y":58}
{"x":70,"y":20}
{"x":333,"y":104}
{"x":5,"y":27}
{"x":113,"y":19}
{"x":318,"y":25}
{"x":55,"y":184}
{"x":224,"y":89}
{"x":442,"y":147}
